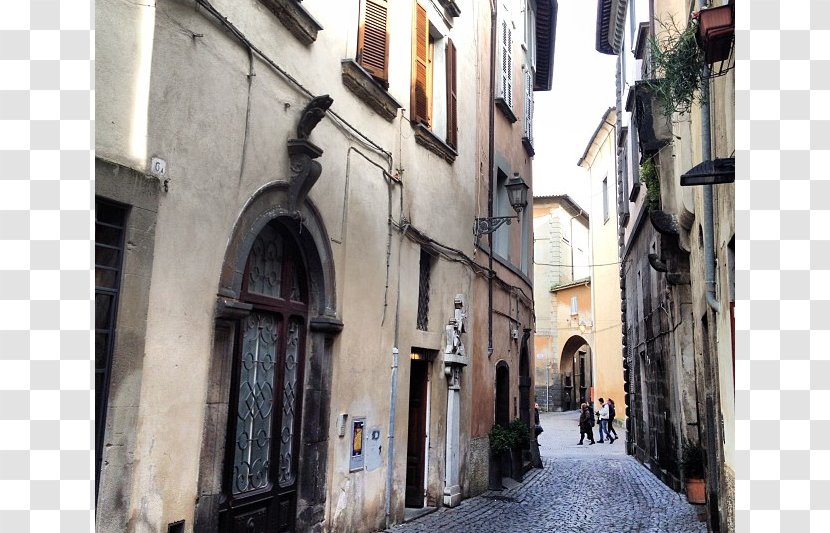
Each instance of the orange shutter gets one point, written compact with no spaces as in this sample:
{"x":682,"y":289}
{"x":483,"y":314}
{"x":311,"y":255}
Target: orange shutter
{"x":373,"y":39}
{"x":452,"y":96}
{"x":420,"y":49}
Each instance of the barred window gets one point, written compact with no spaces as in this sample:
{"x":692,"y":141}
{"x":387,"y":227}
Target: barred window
{"x":423,"y":291}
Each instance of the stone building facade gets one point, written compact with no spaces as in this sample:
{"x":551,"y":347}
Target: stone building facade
{"x":291,"y":310}
{"x":677,"y":248}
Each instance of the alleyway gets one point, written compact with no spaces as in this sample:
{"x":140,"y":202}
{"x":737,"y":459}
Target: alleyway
{"x":581,"y":488}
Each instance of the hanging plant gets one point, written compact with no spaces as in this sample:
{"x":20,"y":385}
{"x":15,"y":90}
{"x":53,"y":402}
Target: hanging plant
{"x":648,"y":176}
{"x":676,"y":65}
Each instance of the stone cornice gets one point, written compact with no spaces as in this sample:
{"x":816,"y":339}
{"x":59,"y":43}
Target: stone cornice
{"x":364,"y":86}
{"x":294,"y":17}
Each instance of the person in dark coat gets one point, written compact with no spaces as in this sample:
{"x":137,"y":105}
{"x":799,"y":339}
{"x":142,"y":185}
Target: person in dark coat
{"x":612,"y":412}
{"x":585,"y":419}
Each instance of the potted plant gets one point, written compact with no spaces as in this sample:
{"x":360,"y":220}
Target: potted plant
{"x":691,"y":462}
{"x":521,"y":440}
{"x":676,"y":64}
{"x":501,"y":442}
{"x":715,"y":30}
{"x":648,"y":176}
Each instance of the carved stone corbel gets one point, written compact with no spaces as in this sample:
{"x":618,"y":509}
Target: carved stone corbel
{"x":302,"y":152}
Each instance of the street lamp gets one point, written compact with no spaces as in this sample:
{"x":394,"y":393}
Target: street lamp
{"x":517,"y":194}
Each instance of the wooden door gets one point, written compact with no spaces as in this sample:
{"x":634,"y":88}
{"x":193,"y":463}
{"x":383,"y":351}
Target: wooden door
{"x":416,"y":436}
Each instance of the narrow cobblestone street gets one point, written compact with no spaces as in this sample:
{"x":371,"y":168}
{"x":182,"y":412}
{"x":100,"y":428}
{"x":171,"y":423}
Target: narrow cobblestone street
{"x":581,"y":488}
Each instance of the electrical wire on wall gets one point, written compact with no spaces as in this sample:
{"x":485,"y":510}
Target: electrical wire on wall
{"x":338,"y":120}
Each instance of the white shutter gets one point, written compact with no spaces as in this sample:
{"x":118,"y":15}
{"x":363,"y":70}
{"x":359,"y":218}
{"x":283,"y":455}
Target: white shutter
{"x":506,"y":88}
{"x":528,"y":129}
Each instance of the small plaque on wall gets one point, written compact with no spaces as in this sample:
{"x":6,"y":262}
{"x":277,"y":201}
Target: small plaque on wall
{"x":356,"y":461}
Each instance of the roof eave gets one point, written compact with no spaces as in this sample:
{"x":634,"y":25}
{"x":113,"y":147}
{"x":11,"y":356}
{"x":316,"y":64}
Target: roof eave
{"x":546,"y":16}
{"x":610,"y":25}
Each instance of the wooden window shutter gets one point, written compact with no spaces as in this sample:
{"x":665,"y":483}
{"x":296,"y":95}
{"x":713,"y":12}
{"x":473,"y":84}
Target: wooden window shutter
{"x":452,"y":96}
{"x":507,"y":63}
{"x":373,"y":39}
{"x":419,"y":105}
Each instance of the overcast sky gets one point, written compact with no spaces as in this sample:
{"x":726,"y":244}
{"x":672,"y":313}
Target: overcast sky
{"x":566,"y":117}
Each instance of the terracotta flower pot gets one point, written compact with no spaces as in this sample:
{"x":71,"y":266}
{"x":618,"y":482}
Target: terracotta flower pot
{"x":696,"y":490}
{"x":716,"y":28}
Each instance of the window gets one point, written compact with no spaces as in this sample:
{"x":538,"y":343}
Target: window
{"x":528,"y":123}
{"x":574,"y":306}
{"x":110,"y":222}
{"x":434,"y":88}
{"x":605,"y":214}
{"x":373,"y":40}
{"x":530,"y":33}
{"x":423,"y":291}
{"x":501,"y":208}
{"x":505,"y":89}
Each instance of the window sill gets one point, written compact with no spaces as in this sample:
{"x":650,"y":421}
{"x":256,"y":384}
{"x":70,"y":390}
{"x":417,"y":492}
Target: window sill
{"x":364,"y":86}
{"x":431,"y":142}
{"x":528,"y":144}
{"x":635,"y":192}
{"x":295,"y":17}
{"x":502,"y":104}
{"x":451,"y":7}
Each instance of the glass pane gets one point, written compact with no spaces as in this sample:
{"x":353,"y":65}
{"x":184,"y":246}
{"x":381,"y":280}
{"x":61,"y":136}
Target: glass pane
{"x":296,"y":288}
{"x":265,"y":264}
{"x":103,"y":304}
{"x":289,"y":400}
{"x":108,"y":235}
{"x":109,"y":213}
{"x":107,"y":257}
{"x":101,"y":348}
{"x":255,"y":403}
{"x":106,"y":278}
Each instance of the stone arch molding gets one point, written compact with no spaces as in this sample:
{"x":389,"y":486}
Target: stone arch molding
{"x":273,"y":204}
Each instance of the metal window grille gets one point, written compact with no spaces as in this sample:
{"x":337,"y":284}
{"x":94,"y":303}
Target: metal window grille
{"x":423,"y":291}
{"x":110,"y":221}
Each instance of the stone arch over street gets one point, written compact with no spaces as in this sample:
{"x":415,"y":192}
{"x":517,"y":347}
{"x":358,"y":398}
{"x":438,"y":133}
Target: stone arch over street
{"x":575,"y":372}
{"x":308,"y":242}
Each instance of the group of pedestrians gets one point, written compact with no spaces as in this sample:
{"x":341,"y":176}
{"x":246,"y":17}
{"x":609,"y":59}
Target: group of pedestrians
{"x":606,"y":415}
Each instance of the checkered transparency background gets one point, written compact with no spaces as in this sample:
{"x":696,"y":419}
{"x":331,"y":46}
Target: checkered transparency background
{"x":782,"y":255}
{"x":46,"y":386}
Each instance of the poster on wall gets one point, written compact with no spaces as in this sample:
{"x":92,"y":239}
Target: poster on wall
{"x":356,"y":461}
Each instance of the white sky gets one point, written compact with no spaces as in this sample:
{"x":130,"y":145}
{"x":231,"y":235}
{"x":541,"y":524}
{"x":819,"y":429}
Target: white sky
{"x":566,"y":116}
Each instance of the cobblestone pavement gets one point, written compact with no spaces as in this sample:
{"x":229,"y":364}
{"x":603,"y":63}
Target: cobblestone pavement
{"x":580,"y":489}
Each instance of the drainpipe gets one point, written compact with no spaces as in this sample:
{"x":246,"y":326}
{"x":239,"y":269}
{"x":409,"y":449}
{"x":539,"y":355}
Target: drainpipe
{"x":708,"y":211}
{"x":492,"y":165}
{"x":393,"y":397}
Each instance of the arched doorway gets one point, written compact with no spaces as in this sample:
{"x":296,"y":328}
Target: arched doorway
{"x":259,"y":481}
{"x":502,"y":394}
{"x":291,"y":315}
{"x":575,"y":373}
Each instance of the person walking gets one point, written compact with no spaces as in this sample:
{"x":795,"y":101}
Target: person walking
{"x":585,"y":422}
{"x":612,"y":413}
{"x":603,"y":422}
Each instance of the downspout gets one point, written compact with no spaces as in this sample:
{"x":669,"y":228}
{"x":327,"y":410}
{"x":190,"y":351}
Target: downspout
{"x":708,"y":211}
{"x":491,"y":155}
{"x":393,"y":397}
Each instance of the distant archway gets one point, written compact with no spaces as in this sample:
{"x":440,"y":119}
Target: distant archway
{"x":575,"y":372}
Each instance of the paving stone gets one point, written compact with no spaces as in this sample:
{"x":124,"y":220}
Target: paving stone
{"x":580,"y":488}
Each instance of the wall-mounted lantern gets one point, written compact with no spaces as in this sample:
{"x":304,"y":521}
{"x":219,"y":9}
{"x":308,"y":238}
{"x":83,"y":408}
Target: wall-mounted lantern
{"x":517,"y":194}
